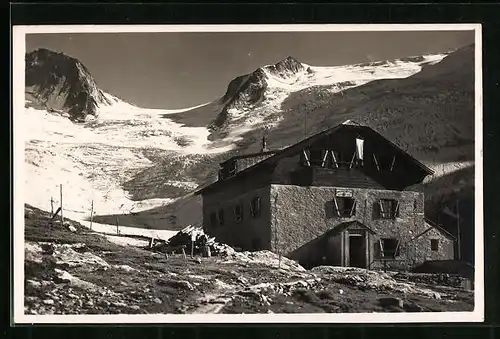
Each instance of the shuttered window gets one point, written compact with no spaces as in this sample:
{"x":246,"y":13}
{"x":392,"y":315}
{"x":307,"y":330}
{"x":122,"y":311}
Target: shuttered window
{"x":221,"y":217}
{"x":238,"y":213}
{"x":255,"y":207}
{"x":389,"y":248}
{"x":344,"y":207}
{"x":388,"y":208}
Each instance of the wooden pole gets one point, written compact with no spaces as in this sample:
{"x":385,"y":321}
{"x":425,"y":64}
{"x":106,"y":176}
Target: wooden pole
{"x":183,"y":252}
{"x":117,"y":229}
{"x":51,"y":207}
{"x":192,"y":248}
{"x":61,"y":191}
{"x":91,"y":213}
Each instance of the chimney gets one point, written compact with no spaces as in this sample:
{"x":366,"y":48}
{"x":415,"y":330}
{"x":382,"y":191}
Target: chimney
{"x":264,"y":144}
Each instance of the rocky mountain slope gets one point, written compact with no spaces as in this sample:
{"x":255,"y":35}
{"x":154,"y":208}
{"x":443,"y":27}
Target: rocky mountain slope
{"x":79,"y":272}
{"x":59,"y":82}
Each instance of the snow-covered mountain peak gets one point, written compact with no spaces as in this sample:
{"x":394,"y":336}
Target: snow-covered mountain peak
{"x":285,"y":67}
{"x":255,"y":100}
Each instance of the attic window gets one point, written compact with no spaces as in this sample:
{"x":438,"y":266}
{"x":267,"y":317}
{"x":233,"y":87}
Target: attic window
{"x":238,"y":213}
{"x":389,"y":248}
{"x":386,"y":162}
{"x":388,"y":208}
{"x":305,"y":158}
{"x":344,"y":207}
{"x":316,"y":157}
{"x":434,"y":244}
{"x":255,"y":207}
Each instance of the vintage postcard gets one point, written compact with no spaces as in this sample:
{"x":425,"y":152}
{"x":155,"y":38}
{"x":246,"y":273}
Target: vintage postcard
{"x":248,"y":174}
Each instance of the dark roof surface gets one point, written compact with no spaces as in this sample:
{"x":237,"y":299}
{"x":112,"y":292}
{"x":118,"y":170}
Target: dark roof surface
{"x":306,"y":142}
{"x":250,"y":155}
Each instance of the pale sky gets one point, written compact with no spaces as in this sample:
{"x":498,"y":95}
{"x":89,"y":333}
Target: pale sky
{"x":176,"y":70}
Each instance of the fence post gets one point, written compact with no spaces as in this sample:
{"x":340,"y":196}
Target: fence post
{"x":61,"y":191}
{"x":51,"y":207}
{"x":117,"y":229}
{"x":91,"y":213}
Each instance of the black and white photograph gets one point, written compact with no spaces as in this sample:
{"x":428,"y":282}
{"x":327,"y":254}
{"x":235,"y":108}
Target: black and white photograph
{"x":248,"y":173}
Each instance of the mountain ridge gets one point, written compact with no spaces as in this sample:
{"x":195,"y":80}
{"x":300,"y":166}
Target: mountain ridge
{"x":60,"y":82}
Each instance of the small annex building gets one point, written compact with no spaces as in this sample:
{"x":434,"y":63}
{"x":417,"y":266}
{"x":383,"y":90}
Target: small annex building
{"x":342,"y":197}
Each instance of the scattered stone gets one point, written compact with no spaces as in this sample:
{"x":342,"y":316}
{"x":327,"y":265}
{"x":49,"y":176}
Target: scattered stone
{"x":126,"y":268}
{"x":33,"y":283}
{"x":135,"y":307}
{"x":72,"y":228}
{"x":157,"y":301}
{"x":48,"y":302}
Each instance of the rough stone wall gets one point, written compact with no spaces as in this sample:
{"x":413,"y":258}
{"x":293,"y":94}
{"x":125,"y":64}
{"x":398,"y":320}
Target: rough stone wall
{"x":239,"y":234}
{"x":300,"y":214}
{"x":422,"y":246}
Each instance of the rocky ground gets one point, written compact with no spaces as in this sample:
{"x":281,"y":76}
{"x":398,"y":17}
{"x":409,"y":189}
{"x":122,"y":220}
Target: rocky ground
{"x":71,"y":270}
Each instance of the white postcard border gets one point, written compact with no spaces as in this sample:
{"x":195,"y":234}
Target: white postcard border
{"x":18,"y":52}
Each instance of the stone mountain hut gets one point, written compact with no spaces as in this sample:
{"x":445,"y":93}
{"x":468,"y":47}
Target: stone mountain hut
{"x":342,"y":197}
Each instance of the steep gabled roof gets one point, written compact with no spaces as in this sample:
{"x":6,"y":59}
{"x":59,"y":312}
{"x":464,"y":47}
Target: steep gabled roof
{"x":290,"y":150}
{"x":438,"y":227}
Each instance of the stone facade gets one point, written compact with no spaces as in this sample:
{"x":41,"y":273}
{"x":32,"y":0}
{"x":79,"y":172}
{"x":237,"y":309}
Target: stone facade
{"x":248,"y":234}
{"x":302,"y":214}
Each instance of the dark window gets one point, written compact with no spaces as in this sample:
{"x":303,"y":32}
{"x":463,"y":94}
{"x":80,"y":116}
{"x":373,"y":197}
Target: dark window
{"x":213,"y":220}
{"x":386,"y":162}
{"x":316,"y":157}
{"x":388,"y":208}
{"x":221,"y":217}
{"x":434,"y":244}
{"x":333,"y":159}
{"x":389,"y":248}
{"x":344,"y":207}
{"x":238,"y":213}
{"x":255,"y":207}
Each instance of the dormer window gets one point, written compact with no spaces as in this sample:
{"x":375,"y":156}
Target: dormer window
{"x":316,"y":157}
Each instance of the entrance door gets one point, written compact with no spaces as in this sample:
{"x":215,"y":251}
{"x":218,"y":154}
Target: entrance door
{"x":357,"y":249}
